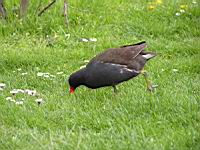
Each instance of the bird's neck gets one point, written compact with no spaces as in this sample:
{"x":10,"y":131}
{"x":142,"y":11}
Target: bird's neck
{"x":82,"y":75}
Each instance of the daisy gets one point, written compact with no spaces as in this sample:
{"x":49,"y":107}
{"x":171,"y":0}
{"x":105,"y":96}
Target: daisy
{"x":174,"y":70}
{"x":14,"y":91}
{"x":19,"y":102}
{"x":59,"y":73}
{"x":39,"y":101}
{"x":24,"y":73}
{"x":2,"y":85}
{"x":92,"y":39}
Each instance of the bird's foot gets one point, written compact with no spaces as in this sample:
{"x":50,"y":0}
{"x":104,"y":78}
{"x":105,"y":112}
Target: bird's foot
{"x":115,"y":89}
{"x":151,"y":87}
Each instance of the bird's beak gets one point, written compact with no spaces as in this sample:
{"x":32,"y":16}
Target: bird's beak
{"x":71,"y":91}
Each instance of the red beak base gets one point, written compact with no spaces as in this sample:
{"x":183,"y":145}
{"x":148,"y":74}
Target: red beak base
{"x":71,"y":91}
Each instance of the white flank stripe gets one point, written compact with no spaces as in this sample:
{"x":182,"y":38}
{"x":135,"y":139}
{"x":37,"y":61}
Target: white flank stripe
{"x":148,"y":56}
{"x":124,"y":67}
{"x":131,"y":70}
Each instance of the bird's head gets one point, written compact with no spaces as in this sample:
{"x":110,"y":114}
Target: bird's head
{"x":76,"y":79}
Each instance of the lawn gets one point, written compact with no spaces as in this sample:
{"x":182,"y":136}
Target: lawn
{"x":168,"y":118}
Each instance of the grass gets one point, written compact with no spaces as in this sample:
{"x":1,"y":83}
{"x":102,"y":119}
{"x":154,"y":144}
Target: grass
{"x":169,"y":118}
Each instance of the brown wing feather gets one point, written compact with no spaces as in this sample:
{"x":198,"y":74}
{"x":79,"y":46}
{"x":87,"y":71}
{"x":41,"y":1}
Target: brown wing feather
{"x":134,"y":44}
{"x":122,"y":55}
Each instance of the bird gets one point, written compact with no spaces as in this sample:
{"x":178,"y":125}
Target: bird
{"x":112,"y":67}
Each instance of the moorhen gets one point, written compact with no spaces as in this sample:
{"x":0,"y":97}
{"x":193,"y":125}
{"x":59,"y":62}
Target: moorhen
{"x":113,"y":66}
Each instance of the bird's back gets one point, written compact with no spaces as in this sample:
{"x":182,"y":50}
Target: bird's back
{"x":129,"y":55}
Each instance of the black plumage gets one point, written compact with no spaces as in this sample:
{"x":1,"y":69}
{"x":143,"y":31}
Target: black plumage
{"x":112,"y":67}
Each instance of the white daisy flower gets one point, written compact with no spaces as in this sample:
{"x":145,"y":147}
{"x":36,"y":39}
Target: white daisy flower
{"x":19,"y":102}
{"x":2,"y":85}
{"x":14,"y":91}
{"x":31,"y":92}
{"x":194,"y":2}
{"x":84,"y":40}
{"x":20,"y":91}
{"x":53,"y":76}
{"x":93,"y":39}
{"x":19,"y":69}
{"x":182,"y":11}
{"x":12,"y":100}
{"x":39,"y":101}
{"x":40,"y":74}
{"x":59,"y":73}
{"x":174,"y":70}
{"x":46,"y":76}
{"x":24,"y":73}
{"x":26,"y":91}
{"x":178,"y":14}
{"x":8,"y":98}
{"x":46,"y":73}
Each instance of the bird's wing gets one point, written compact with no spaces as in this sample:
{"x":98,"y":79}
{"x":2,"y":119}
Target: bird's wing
{"x":122,"y":55}
{"x":140,"y":43}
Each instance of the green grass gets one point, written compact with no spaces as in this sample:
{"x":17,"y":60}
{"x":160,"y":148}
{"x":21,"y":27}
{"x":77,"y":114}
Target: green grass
{"x":169,"y":118}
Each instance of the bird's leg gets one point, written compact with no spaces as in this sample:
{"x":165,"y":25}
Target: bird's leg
{"x":114,"y":88}
{"x":148,"y":82}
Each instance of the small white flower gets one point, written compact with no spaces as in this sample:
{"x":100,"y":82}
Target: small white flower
{"x":194,"y":2}
{"x":8,"y":98}
{"x":31,"y":92}
{"x":34,"y":93}
{"x":178,"y":14}
{"x":46,"y":75}
{"x":2,"y":85}
{"x":24,"y":73}
{"x":53,"y":76}
{"x":20,"y":91}
{"x":40,"y":74}
{"x":19,"y":102}
{"x":19,"y":69}
{"x":93,"y":39}
{"x":12,"y":100}
{"x":182,"y":11}
{"x":81,"y":67}
{"x":84,"y":40}
{"x":39,"y":100}
{"x":174,"y":70}
{"x":26,"y":91}
{"x":15,"y":91}
{"x":59,"y":73}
